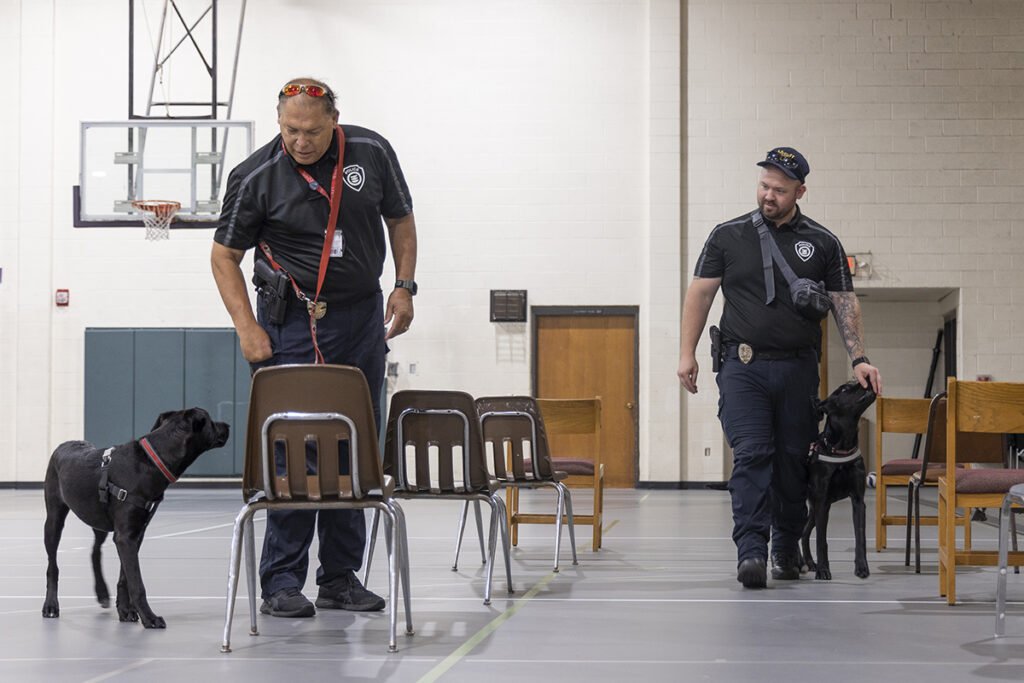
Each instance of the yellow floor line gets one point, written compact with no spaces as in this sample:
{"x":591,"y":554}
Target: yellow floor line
{"x":467,"y":647}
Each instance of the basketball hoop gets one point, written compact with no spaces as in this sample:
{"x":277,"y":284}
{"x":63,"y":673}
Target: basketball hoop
{"x":156,"y":216}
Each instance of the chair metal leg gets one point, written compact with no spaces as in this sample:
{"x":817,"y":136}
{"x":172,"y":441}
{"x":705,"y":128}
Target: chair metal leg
{"x":559,"y":507}
{"x":458,"y":537}
{"x":233,"y":568}
{"x":499,"y":508}
{"x":371,"y":542}
{"x":480,"y":531}
{"x":1004,"y":514}
{"x":917,"y":530}
{"x":251,"y":571}
{"x":492,"y":538}
{"x":403,"y":566}
{"x":910,"y":513}
{"x":572,"y":524}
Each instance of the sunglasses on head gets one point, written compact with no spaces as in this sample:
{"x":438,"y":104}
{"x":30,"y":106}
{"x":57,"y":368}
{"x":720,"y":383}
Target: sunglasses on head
{"x":783,"y":159}
{"x":293,"y":89}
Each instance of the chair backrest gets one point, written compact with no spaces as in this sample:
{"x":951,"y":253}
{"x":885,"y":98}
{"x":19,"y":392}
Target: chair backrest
{"x":898,"y":416}
{"x":311,"y":434}
{"x":982,"y":412}
{"x":513,"y":430}
{"x":571,"y":418}
{"x":434,"y":443}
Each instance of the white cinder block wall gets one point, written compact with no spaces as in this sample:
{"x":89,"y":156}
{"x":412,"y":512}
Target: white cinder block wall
{"x":540,"y":140}
{"x":911,"y":114}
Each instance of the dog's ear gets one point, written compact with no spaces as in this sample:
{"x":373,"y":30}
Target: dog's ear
{"x":820,"y":407}
{"x":163,"y":417}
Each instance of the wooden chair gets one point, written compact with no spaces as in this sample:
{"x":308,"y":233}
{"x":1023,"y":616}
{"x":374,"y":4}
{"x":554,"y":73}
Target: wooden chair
{"x":435,"y":451}
{"x":978,"y":414}
{"x":311,"y":443}
{"x":574,"y":427}
{"x":898,"y":416}
{"x":1014,"y":498}
{"x":515,"y":434}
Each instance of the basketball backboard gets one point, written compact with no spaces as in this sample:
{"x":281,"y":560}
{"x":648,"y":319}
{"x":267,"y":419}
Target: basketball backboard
{"x":184,"y":160}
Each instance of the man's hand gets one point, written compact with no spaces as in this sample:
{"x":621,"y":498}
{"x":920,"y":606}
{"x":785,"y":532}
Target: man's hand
{"x":688,"y":369}
{"x":255,"y":343}
{"x":868,"y":375}
{"x":399,"y":312}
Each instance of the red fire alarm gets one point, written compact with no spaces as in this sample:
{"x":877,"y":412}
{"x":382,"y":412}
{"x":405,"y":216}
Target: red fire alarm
{"x":63,"y":297}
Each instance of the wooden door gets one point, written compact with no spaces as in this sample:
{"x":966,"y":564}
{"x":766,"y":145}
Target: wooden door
{"x":583,"y":352}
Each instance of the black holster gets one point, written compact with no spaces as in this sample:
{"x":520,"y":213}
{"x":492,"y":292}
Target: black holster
{"x":272,"y":284}
{"x":716,"y":348}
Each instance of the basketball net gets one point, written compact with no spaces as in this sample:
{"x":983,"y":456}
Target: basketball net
{"x":157,"y":216}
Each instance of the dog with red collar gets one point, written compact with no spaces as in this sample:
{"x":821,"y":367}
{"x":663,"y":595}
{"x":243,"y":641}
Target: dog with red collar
{"x":118,"y":489}
{"x":836,"y":471}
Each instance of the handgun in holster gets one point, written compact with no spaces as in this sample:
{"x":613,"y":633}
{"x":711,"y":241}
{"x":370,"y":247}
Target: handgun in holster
{"x":716,"y":349}
{"x":273,"y":284}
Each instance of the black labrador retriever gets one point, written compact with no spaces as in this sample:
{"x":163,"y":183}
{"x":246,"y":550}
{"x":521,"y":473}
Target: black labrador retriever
{"x":836,"y":471}
{"x":118,"y":489}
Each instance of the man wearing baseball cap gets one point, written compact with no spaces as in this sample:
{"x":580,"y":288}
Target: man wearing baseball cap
{"x":769,"y":352}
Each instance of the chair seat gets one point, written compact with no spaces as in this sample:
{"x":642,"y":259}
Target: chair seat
{"x":903,"y":466}
{"x":570,"y":466}
{"x":988,"y":480}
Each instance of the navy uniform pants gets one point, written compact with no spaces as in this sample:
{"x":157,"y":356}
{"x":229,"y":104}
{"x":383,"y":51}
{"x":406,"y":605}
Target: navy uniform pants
{"x":767,"y":412}
{"x":346,"y":335}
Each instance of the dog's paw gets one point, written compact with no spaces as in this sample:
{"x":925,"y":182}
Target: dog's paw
{"x":823,"y":574}
{"x":154,"y":622}
{"x":104,"y":602}
{"x":862,"y":572}
{"x":51,"y":610}
{"x":127,"y":615}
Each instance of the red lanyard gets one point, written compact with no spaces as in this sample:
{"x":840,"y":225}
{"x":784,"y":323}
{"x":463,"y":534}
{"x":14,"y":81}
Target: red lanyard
{"x":317,"y":311}
{"x":335,"y":199}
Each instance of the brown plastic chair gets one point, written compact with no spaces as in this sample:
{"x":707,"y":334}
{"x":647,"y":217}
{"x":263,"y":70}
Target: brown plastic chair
{"x":434,"y":451}
{"x":515,"y":436}
{"x":895,"y":416}
{"x":311,"y":444}
{"x":986,"y":411}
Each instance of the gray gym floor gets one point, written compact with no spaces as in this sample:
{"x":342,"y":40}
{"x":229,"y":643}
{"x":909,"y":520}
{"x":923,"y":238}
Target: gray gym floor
{"x":659,"y":602}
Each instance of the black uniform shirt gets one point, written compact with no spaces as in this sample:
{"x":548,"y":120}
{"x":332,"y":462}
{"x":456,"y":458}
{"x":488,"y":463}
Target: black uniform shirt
{"x":267,"y":199}
{"x":733,"y":253}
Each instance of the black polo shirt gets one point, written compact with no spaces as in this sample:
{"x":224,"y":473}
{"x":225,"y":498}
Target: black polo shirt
{"x":267,"y":199}
{"x":733,"y":253}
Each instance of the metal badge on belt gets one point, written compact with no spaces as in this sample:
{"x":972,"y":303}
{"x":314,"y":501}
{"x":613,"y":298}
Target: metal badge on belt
{"x":746,"y":353}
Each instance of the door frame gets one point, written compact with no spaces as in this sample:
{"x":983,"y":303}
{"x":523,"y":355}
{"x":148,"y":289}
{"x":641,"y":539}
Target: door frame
{"x":537,"y":312}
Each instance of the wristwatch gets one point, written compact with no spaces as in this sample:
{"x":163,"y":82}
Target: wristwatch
{"x":858,"y":360}
{"x":407,"y":284}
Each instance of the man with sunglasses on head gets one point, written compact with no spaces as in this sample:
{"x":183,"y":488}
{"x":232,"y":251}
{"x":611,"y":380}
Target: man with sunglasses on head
{"x":769,"y":348}
{"x":311,"y":204}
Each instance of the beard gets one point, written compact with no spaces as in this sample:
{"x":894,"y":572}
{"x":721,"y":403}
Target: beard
{"x":773,"y":211}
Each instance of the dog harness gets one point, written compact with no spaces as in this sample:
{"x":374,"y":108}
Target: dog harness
{"x":108,"y":488}
{"x":832,"y":455}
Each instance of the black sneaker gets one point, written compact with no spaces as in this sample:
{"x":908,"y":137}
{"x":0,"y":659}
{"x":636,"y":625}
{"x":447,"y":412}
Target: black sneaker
{"x":346,"y":592}
{"x":785,"y":568}
{"x":751,"y":573}
{"x":287,"y":602}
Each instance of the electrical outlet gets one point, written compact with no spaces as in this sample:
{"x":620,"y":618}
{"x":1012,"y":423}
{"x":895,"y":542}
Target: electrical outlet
{"x":707,"y":452}
{"x":412,"y":368}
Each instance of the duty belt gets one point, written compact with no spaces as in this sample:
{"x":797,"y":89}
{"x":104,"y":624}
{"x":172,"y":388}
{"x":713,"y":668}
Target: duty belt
{"x":747,"y":353}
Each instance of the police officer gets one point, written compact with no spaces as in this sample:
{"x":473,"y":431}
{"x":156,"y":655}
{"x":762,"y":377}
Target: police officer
{"x":280,"y":201}
{"x":770,"y":352}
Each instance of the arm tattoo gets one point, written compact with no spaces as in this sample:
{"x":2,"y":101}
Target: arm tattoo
{"x":847,"y":313}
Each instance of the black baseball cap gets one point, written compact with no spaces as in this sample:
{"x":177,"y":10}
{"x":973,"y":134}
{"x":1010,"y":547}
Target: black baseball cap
{"x":789,"y":161}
